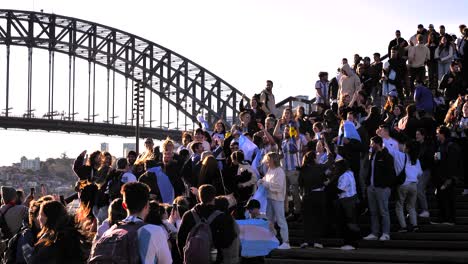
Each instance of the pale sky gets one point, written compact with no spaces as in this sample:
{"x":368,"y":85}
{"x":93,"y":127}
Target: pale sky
{"x":245,"y":42}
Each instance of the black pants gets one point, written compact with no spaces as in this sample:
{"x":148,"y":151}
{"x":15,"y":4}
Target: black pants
{"x":433,"y":74}
{"x":446,"y":201}
{"x":314,"y":215}
{"x":254,"y":260}
{"x":416,"y":73}
{"x":346,"y":215}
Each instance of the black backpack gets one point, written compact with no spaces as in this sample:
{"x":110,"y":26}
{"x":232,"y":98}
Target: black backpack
{"x":9,"y":256}
{"x":6,"y":232}
{"x":115,"y":184}
{"x":118,"y":245}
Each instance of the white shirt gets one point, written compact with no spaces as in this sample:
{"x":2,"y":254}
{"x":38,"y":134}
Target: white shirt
{"x":412,"y":171}
{"x":390,"y":143}
{"x":347,"y":184}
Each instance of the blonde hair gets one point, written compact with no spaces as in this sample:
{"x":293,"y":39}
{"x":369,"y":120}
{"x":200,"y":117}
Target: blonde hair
{"x":275,"y":157}
{"x":167,"y":142}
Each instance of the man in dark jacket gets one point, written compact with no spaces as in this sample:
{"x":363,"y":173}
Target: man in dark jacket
{"x":452,"y":83}
{"x":379,"y":181}
{"x":397,"y":42}
{"x":448,"y":168}
{"x":222,"y":227}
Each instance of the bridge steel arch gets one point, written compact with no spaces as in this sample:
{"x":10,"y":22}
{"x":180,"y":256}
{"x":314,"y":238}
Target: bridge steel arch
{"x":184,"y":84}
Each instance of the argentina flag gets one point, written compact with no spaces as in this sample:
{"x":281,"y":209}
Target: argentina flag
{"x":247,"y":146}
{"x":256,"y":238}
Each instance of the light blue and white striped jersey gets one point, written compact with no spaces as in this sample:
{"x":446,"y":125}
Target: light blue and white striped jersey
{"x":152,"y":243}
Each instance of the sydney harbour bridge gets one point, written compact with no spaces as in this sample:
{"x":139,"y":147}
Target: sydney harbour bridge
{"x":111,"y":80}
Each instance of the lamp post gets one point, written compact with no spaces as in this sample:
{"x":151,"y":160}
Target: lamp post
{"x":138,"y":107}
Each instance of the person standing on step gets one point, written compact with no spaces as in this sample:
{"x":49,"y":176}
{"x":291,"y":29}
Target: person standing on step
{"x":380,"y":178}
{"x":448,"y":168}
{"x":407,"y":160}
{"x":346,"y":205}
{"x":274,"y":182}
{"x":426,"y":157}
{"x":312,"y":182}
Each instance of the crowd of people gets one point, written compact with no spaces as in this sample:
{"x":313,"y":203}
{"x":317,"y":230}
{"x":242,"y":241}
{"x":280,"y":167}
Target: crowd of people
{"x":380,"y":131}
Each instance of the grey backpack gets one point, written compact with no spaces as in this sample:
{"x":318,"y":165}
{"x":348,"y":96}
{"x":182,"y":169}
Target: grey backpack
{"x":197,"y":249}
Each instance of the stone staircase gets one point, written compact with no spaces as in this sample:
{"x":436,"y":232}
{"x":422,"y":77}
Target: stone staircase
{"x":432,"y":243}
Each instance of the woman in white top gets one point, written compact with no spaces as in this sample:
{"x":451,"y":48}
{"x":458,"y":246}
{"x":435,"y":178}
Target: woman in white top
{"x":408,"y":191}
{"x":274,"y":182}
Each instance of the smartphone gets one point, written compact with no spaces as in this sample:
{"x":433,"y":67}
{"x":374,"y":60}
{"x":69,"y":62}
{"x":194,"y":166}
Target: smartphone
{"x":32,"y":191}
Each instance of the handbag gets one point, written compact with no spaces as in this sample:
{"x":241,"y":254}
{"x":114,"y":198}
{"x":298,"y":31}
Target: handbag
{"x":401,"y":177}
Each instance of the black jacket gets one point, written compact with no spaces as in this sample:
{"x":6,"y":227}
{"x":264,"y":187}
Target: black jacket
{"x":312,"y":177}
{"x":450,"y":167}
{"x":83,"y":172}
{"x":453,"y":89}
{"x":149,"y":178}
{"x":384,"y":170}
{"x":222,"y":227}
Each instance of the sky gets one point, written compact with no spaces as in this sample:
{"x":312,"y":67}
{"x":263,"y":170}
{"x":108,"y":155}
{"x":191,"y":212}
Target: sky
{"x":245,"y":42}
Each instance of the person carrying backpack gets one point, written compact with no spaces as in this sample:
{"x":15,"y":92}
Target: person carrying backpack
{"x":12,"y":215}
{"x":204,"y":223}
{"x":117,"y":245}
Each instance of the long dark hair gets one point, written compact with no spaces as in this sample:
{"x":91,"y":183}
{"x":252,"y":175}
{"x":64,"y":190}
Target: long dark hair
{"x":116,"y":212}
{"x":412,"y":148}
{"x":92,"y":159}
{"x":57,"y":221}
{"x":156,"y":211}
{"x":309,"y":159}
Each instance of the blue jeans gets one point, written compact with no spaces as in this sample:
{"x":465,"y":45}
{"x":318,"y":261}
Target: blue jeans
{"x":378,"y":208}
{"x":275,"y":214}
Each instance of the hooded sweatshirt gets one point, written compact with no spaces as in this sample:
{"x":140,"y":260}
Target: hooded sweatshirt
{"x":348,"y":84}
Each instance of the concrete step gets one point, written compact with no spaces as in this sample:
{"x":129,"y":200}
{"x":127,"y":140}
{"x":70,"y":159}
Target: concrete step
{"x":423,"y":227}
{"x":315,"y":261}
{"x":400,"y":244}
{"x":368,"y":255}
{"x":408,"y":236}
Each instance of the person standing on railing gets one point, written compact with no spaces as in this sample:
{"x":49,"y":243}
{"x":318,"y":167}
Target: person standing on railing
{"x":321,"y":89}
{"x":268,"y":99}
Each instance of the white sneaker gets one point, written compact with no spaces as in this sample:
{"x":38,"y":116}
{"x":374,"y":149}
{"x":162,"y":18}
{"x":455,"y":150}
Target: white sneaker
{"x":304,"y":245}
{"x":284,"y":246}
{"x":318,"y":245}
{"x":424,"y":214}
{"x":347,"y":247}
{"x":371,"y":237}
{"x":384,"y":237}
